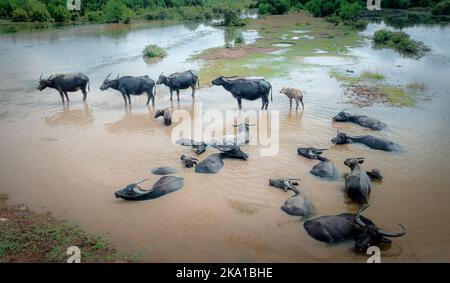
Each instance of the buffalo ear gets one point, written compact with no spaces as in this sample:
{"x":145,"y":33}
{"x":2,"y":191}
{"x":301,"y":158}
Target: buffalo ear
{"x":349,"y":140}
{"x":361,"y":161}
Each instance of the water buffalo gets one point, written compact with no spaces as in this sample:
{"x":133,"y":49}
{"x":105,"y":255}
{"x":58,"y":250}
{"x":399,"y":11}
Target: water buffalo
{"x":163,"y":186}
{"x":346,"y":226}
{"x":250,"y":89}
{"x":361,"y":120}
{"x":298,"y":204}
{"x":196,"y":146}
{"x":167,"y":116}
{"x":163,"y":170}
{"x":310,"y":152}
{"x":64,"y":83}
{"x":295,"y":94}
{"x":178,"y":81}
{"x":370,"y":141}
{"x":357,"y":183}
{"x":129,"y":85}
{"x":324,"y":169}
{"x":188,"y":161}
{"x":231,"y":151}
{"x":211,"y":165}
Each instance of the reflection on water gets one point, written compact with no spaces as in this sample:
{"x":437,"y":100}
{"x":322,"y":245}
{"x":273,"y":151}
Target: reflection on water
{"x":201,"y":223}
{"x":71,"y":117}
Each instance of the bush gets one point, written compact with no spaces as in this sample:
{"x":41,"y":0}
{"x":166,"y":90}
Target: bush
{"x":442,"y":8}
{"x":154,"y":51}
{"x":115,"y":11}
{"x":239,"y":38}
{"x":94,"y":16}
{"x":37,"y":11}
{"x":190,"y":13}
{"x":61,"y":14}
{"x":232,"y":18}
{"x":160,"y":14}
{"x":277,"y":7}
{"x":20,"y":15}
{"x":349,"y":12}
{"x":399,"y":41}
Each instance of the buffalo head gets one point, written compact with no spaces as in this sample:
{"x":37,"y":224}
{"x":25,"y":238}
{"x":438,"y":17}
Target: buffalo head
{"x":162,"y":79}
{"x":352,"y":162}
{"x":342,"y":116}
{"x":341,"y":138}
{"x":107,"y":83}
{"x":43,"y":83}
{"x":366,"y":234}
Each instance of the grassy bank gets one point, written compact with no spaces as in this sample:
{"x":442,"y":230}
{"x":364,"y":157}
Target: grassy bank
{"x":285,"y":40}
{"x":370,"y":87}
{"x":26,"y":236}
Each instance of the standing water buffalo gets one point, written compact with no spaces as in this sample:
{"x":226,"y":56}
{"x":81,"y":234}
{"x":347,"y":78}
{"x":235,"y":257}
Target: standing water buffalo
{"x":178,"y":81}
{"x":64,"y":83}
{"x":250,"y":89}
{"x":293,"y":93}
{"x":357,"y":182}
{"x":346,"y":226}
{"x":361,"y":120}
{"x":370,"y":141}
{"x":129,"y":85}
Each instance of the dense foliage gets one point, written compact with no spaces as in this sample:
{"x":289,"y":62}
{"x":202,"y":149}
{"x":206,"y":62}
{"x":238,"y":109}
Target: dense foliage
{"x":345,"y":9}
{"x":117,"y":10}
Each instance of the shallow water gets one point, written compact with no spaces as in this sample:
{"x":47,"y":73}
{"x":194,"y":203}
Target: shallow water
{"x":70,"y":159}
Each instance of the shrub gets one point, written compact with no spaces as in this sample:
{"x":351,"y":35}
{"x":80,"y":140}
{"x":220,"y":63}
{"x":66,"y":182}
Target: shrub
{"x":160,"y":14}
{"x":239,"y":38}
{"x":442,"y":8}
{"x":154,"y":51}
{"x":61,"y":14}
{"x":399,"y":41}
{"x":190,"y":13}
{"x":232,"y":18}
{"x":37,"y":11}
{"x":273,"y":6}
{"x":94,"y":16}
{"x":349,"y":11}
{"x":115,"y":11}
{"x":20,"y":15}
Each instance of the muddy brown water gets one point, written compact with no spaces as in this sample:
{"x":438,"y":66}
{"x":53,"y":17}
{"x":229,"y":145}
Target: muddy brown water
{"x":70,"y":159}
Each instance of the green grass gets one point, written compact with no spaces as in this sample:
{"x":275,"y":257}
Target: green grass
{"x":367,"y":75}
{"x":30,"y":237}
{"x":277,"y":65}
{"x":397,"y":96}
{"x":400,"y":41}
{"x":154,"y":51}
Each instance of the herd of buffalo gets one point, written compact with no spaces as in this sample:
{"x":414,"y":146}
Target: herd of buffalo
{"x":329,"y":229}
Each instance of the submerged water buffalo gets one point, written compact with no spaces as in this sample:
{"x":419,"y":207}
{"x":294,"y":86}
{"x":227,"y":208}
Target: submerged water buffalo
{"x":197,"y":146}
{"x":250,"y":89}
{"x":211,"y":165}
{"x":164,"y":170}
{"x":370,"y":141}
{"x":310,"y":152}
{"x":324,"y":169}
{"x":346,"y":226}
{"x":167,"y":116}
{"x":65,"y":83}
{"x":163,"y":186}
{"x":231,"y":151}
{"x":357,"y":183}
{"x":177,"y":81}
{"x":298,"y":204}
{"x":188,"y":161}
{"x":129,"y":85}
{"x":361,"y":120}
{"x":375,"y":174}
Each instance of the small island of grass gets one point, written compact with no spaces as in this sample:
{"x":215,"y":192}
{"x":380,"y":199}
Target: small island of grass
{"x":401,"y":42}
{"x":153,"y":51}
